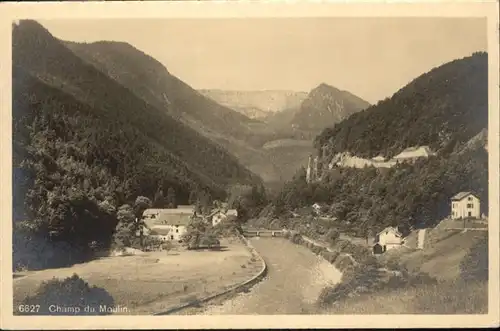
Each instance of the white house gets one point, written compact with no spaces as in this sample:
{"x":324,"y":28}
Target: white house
{"x":167,"y":224}
{"x":412,"y":153}
{"x":387,"y":239}
{"x":218,"y":217}
{"x":232,"y":213}
{"x":378,"y":158}
{"x":317,"y":207}
{"x":465,"y":204}
{"x":223,"y":215}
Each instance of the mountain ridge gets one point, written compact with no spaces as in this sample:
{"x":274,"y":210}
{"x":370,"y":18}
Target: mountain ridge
{"x":99,"y":127}
{"x":264,"y":101}
{"x":441,"y":108}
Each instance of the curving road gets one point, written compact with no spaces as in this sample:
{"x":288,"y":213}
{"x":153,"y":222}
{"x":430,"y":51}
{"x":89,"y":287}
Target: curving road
{"x":294,"y":280}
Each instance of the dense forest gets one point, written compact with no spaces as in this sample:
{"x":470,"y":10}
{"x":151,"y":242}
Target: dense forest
{"x":442,"y":109}
{"x":446,"y":109}
{"x":83,"y":145}
{"x":367,"y":200}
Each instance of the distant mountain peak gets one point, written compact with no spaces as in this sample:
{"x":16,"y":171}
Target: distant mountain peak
{"x":326,"y":105}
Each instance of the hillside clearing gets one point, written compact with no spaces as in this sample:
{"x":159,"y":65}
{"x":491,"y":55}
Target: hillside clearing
{"x":441,"y":256}
{"x":458,"y":260}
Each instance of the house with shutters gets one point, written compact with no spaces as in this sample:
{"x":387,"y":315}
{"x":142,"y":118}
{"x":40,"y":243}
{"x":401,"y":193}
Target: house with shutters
{"x":465,"y":205}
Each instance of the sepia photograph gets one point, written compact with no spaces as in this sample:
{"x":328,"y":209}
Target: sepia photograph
{"x":252,"y":165}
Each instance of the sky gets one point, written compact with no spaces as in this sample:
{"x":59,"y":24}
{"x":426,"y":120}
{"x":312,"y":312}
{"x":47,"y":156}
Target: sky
{"x":370,"y":57}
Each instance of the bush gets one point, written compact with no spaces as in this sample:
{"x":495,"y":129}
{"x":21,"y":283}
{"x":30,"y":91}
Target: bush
{"x":71,"y":292}
{"x":296,"y":238}
{"x":332,"y":236}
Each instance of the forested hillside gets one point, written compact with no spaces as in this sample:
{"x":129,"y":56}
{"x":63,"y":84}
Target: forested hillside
{"x":83,"y":145}
{"x":442,"y":108}
{"x":151,"y":81}
{"x":446,"y":109}
{"x":406,"y":195}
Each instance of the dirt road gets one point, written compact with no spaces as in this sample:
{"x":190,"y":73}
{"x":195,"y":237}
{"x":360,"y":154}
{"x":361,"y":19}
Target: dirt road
{"x":295,"y":278}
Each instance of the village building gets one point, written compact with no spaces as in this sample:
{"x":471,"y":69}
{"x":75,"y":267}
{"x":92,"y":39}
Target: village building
{"x":218,"y":217}
{"x":167,"y":224}
{"x":223,"y":215}
{"x":413,"y":153}
{"x":387,"y":239}
{"x":378,"y":158}
{"x":317,"y":208}
{"x":464,"y":205}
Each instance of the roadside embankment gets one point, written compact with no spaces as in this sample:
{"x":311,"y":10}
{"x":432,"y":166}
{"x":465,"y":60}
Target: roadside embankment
{"x":362,"y":273}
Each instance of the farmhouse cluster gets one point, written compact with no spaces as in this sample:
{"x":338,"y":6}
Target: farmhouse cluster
{"x":463,"y":206}
{"x":169,"y":224}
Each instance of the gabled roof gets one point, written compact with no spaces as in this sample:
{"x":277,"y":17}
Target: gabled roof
{"x":160,"y":231}
{"x":391,"y":229}
{"x":188,"y":207}
{"x":459,"y":196}
{"x":151,"y":211}
{"x":173,"y":216}
{"x":177,"y":211}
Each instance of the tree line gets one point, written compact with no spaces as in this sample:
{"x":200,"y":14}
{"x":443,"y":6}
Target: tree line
{"x":366,"y":200}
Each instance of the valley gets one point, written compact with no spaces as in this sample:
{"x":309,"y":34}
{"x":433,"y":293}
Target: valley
{"x":105,"y":134}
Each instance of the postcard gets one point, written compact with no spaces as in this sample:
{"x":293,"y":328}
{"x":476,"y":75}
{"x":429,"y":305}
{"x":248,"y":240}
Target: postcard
{"x":216,"y":164}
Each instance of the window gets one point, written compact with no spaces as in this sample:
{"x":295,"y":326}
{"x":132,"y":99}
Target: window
{"x":177,"y":230}
{"x":469,"y":205}
{"x":172,"y":237}
{"x":469,"y":198}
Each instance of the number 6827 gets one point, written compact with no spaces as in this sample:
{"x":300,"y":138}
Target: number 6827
{"x":29,"y":308}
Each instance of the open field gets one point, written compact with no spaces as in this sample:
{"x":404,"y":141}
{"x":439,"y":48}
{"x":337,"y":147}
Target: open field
{"x":155,"y":281}
{"x":459,"y":262}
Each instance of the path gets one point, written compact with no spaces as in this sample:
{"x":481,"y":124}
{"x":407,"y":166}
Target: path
{"x":421,"y":239}
{"x":294,"y":280}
